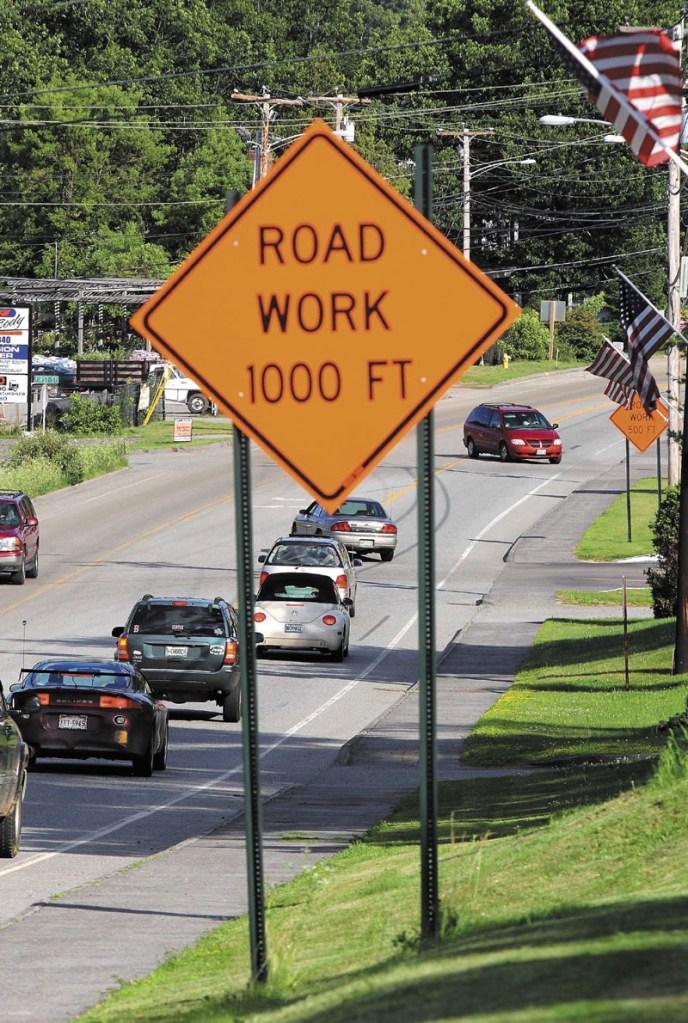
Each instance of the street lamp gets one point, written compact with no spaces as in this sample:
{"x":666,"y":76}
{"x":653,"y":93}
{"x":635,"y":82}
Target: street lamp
{"x":468,"y":176}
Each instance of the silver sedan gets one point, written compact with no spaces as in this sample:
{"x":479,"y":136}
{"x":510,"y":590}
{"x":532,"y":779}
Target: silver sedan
{"x":300,"y":611}
{"x":362,"y":525}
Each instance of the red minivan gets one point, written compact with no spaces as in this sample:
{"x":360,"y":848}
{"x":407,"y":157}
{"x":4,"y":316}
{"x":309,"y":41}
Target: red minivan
{"x":512,"y":432}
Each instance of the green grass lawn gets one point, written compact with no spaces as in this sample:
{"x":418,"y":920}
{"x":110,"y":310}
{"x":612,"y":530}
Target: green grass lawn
{"x":160,"y":433}
{"x":607,"y":538}
{"x":636,"y":597}
{"x":564,"y":894}
{"x":569,"y":699}
{"x":488,"y":376}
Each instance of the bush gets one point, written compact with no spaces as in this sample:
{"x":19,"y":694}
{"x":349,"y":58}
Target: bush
{"x":663,"y":580}
{"x":580,"y":334}
{"x":87,"y":417}
{"x":527,"y":338}
{"x":51,"y":447}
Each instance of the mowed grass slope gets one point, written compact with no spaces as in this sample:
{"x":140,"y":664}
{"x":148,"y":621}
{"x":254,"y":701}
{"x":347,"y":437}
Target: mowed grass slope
{"x":564,"y":892}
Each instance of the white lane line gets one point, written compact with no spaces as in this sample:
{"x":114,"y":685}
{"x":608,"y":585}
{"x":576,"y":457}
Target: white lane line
{"x":142,"y":814}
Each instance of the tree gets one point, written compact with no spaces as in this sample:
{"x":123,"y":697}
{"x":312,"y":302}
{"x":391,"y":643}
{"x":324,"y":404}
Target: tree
{"x":663,"y":579}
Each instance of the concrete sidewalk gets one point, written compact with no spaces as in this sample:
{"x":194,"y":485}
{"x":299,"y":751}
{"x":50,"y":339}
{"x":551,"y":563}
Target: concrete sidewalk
{"x":136,"y":918}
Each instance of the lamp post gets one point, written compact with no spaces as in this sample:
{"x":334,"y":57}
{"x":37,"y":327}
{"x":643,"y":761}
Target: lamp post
{"x":673,"y":288}
{"x":468,"y":176}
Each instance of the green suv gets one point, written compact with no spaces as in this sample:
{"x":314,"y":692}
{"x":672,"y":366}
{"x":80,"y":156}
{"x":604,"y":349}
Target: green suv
{"x":186,"y":648}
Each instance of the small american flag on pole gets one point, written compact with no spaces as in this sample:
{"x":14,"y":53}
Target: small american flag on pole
{"x":646,"y":330}
{"x":634,"y":79}
{"x":620,"y":394}
{"x":613,"y":365}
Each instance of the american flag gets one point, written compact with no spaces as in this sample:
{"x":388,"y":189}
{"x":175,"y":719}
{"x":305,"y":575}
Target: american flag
{"x":620,"y":394}
{"x":634,"y":79}
{"x":613,"y":365}
{"x":646,"y":330}
{"x":644,"y":65}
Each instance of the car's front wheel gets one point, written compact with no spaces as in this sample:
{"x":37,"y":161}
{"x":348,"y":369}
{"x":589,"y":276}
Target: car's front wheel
{"x":471,"y":448}
{"x":503,"y":452}
{"x":231,"y":706}
{"x":19,"y":577}
{"x":10,"y":831}
{"x":197,"y":403}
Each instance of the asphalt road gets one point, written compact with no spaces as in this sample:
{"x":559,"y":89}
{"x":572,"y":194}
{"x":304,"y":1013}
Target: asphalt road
{"x":165,"y":526}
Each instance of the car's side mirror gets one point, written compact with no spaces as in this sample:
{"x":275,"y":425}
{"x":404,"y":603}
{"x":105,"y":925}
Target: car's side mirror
{"x":117,"y":631}
{"x":258,"y":637}
{"x":32,"y":522}
{"x":356,"y":562}
{"x":555,"y":425}
{"x":261,"y":558}
{"x":304,"y":511}
{"x":347,"y":602}
{"x":15,"y":687}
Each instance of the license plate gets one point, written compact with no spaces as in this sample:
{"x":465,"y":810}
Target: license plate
{"x":176,"y":651}
{"x":291,"y":627}
{"x":540,"y":451}
{"x":365,"y":543}
{"x":76,"y":722}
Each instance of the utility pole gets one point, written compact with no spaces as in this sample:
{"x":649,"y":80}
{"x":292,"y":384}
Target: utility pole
{"x":265,"y":103}
{"x":674,"y":306}
{"x":339,"y":102}
{"x":465,"y":135}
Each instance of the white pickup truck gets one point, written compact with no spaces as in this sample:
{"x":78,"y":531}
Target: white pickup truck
{"x":180,"y":388}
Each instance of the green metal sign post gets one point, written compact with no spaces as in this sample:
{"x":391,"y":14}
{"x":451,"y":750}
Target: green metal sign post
{"x":426,"y":619}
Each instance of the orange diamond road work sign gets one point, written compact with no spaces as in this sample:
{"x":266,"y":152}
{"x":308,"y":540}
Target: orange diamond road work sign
{"x":639,"y":427}
{"x":325,"y":315}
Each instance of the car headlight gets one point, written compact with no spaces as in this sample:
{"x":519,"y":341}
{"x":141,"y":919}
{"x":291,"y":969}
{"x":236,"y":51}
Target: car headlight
{"x":557,"y":441}
{"x":10,"y":543}
{"x":517,"y":440}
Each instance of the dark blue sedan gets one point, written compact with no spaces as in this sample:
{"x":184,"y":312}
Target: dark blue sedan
{"x":79,"y":709}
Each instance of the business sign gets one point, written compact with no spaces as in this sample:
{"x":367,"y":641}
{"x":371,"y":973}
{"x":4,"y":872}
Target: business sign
{"x":183,"y":430}
{"x":15,"y":354}
{"x":641,"y":428}
{"x":325,"y":315}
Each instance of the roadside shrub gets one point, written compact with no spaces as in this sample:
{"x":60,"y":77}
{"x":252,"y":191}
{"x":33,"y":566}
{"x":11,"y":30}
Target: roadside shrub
{"x":663,"y":580}
{"x":87,"y":417}
{"x":51,"y":447}
{"x":581,"y":334}
{"x":527,"y":338}
{"x":41,"y":476}
{"x":100,"y":457}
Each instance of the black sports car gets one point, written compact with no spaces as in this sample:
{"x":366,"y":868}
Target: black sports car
{"x":79,"y":709}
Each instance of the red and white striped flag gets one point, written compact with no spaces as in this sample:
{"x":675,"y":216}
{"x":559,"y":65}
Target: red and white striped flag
{"x":643,"y":65}
{"x":620,"y":394}
{"x":634,"y":79}
{"x":613,"y":365}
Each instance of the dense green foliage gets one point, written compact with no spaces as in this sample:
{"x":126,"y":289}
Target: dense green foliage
{"x":41,"y":462}
{"x":663,"y":579}
{"x":119,"y":145}
{"x":86,"y":417}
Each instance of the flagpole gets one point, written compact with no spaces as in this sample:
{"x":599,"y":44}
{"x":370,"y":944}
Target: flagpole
{"x":619,"y":96}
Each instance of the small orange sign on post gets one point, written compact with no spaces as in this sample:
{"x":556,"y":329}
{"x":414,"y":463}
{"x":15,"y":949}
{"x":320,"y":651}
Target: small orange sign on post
{"x":325,"y":315}
{"x":638,"y":426}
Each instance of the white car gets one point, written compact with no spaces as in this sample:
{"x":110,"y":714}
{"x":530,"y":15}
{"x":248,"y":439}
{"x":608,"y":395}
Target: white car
{"x":313,"y":554}
{"x":302,"y":611}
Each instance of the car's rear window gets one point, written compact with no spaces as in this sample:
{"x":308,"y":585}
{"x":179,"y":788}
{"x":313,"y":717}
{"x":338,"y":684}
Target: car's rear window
{"x":318,"y":591}
{"x":320,"y":555}
{"x":371,"y":509}
{"x":169,"y":619}
{"x":78,"y":679}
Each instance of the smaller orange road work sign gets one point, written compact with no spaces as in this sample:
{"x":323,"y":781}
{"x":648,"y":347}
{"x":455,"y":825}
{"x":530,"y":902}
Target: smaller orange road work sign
{"x":639,"y":427}
{"x":325,"y":315}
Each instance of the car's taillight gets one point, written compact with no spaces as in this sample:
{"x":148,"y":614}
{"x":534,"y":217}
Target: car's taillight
{"x":259,"y":616}
{"x":389,"y":528}
{"x":44,"y":699}
{"x":329,"y":620}
{"x":341,"y":527}
{"x":118,"y":703}
{"x":230,"y":651}
{"x":122,"y":649}
{"x":263,"y":577}
{"x":341,"y":581}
